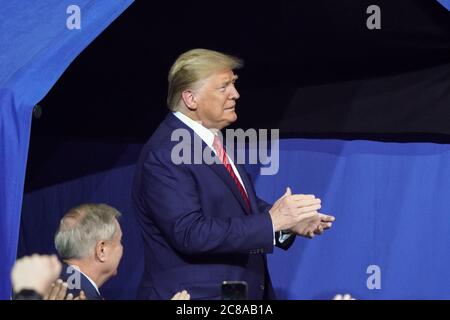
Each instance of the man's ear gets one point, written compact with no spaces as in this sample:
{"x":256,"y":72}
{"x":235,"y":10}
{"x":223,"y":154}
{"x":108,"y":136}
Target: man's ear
{"x":189,"y":99}
{"x":100,"y":251}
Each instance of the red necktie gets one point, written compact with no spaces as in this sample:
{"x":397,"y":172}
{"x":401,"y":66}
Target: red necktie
{"x":222,"y":155}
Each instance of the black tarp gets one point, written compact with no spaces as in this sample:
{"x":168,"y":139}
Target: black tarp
{"x":312,"y":67}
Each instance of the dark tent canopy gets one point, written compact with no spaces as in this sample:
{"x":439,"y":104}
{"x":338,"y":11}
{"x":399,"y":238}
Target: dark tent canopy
{"x":311,"y":67}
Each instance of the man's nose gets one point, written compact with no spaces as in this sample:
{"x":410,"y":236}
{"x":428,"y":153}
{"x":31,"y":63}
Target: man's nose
{"x":234,"y":94}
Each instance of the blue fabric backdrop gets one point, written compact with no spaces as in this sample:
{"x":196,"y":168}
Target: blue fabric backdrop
{"x":393,"y":211}
{"x":445,"y":3}
{"x":390,"y":201}
{"x":35,"y":49}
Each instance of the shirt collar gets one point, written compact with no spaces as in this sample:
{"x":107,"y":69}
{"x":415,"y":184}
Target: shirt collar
{"x":204,"y":133}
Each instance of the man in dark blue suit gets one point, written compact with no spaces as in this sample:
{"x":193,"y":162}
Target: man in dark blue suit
{"x":202,"y":222}
{"x":89,"y":242}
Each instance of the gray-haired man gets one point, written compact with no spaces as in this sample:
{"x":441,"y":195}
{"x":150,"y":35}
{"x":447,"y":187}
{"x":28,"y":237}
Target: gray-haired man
{"x":89,"y":242}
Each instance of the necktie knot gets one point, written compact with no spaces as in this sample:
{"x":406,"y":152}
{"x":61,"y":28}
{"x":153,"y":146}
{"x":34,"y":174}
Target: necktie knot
{"x":218,"y":147}
{"x":222,"y":155}
{"x":217,"y":144}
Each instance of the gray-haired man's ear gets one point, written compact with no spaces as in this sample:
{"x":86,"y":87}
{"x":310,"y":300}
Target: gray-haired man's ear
{"x":100,"y":251}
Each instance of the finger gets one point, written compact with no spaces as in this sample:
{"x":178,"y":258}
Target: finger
{"x":70,"y":297}
{"x":82,"y":296}
{"x":326,"y":218}
{"x":55,"y":290}
{"x":288,"y":191}
{"x":184,"y":295}
{"x":302,"y":216}
{"x":49,"y":292}
{"x":337,"y":297}
{"x":299,"y":197}
{"x":176,"y":296}
{"x":307,"y":202}
{"x":62,"y":292}
{"x":347,"y":297}
{"x":306,"y":209}
{"x":319,"y":230}
{"x":326,"y":225}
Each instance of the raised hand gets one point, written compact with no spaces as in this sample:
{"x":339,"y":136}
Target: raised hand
{"x":314,"y":225}
{"x":36,"y":272}
{"x":183,"y":295}
{"x":58,"y":291}
{"x":291,"y":209}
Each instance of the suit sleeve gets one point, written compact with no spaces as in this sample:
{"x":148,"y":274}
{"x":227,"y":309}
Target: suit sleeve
{"x":289,"y":240}
{"x":169,"y":194}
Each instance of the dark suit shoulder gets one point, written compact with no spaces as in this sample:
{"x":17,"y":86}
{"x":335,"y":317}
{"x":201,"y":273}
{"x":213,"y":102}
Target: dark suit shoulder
{"x":77,"y":281}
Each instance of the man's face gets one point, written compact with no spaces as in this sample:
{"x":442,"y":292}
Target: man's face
{"x":216,"y":100}
{"x":115,"y":250}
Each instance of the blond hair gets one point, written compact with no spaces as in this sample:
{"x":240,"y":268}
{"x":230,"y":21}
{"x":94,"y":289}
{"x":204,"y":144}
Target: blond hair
{"x":193,"y":66}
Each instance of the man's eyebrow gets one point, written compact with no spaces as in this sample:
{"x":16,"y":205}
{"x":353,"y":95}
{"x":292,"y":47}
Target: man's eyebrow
{"x":226,"y":81}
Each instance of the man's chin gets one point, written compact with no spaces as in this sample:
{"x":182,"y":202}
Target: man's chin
{"x":233,"y":117}
{"x":228,"y":120}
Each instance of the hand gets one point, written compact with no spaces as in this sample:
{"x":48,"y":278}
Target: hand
{"x":290,"y":209}
{"x":58,"y":291}
{"x":314,"y":225}
{"x":82,"y":296}
{"x":183,"y":295}
{"x":343,"y":297}
{"x":36,"y":272}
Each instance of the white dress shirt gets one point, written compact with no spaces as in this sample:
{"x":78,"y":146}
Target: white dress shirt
{"x":208,"y":136}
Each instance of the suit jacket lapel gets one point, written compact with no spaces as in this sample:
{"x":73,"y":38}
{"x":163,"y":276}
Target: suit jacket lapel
{"x":217,"y":166}
{"x":223,"y":173}
{"x":247,"y":184}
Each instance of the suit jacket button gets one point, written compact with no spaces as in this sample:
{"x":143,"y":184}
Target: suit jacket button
{"x":262,"y":287}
